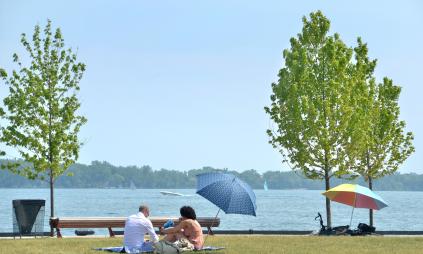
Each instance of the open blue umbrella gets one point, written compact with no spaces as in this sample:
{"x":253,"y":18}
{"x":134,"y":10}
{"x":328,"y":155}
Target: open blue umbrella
{"x":227,"y":192}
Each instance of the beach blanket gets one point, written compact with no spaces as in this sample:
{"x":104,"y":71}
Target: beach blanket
{"x":119,"y":249}
{"x":146,"y":247}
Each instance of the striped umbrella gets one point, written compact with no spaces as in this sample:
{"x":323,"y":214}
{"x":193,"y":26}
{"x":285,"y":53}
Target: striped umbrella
{"x":356,"y":196}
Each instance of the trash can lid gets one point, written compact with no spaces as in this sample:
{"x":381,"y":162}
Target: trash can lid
{"x":19,"y":202}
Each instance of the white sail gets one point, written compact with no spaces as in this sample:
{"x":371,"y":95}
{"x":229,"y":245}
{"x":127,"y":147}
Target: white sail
{"x":132,"y":186}
{"x":265,"y":186}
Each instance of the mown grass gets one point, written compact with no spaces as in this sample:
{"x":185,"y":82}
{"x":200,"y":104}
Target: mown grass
{"x":240,"y":244}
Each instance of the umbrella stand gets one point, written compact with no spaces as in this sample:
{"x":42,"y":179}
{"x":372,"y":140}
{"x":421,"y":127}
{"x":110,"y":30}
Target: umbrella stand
{"x":208,"y":232}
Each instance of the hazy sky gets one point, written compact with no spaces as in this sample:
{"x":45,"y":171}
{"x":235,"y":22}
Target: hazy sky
{"x":182,"y":84}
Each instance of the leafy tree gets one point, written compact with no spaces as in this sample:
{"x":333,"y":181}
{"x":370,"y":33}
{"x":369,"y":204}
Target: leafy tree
{"x":42,"y":123}
{"x":385,"y":145}
{"x":312,"y":104}
{"x":253,"y":178}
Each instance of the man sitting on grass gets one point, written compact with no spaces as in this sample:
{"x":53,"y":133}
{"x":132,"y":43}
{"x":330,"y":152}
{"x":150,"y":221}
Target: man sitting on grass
{"x":136,"y":226}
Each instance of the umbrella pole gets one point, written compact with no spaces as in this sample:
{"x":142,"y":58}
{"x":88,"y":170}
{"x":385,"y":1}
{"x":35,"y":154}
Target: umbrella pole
{"x":208,"y":232}
{"x":351,"y":216}
{"x":355,"y":203}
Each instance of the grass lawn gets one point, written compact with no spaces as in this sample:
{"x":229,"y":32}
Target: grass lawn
{"x":234,"y":244}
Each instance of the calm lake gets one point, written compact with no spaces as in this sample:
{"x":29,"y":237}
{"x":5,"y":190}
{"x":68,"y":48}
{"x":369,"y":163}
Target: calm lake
{"x":276,"y":209}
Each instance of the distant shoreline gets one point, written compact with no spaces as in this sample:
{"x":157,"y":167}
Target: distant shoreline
{"x":103,"y":175}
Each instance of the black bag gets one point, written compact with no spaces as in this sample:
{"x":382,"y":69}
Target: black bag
{"x":366,"y":229}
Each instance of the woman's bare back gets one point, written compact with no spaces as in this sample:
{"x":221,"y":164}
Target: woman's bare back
{"x":193,"y":232}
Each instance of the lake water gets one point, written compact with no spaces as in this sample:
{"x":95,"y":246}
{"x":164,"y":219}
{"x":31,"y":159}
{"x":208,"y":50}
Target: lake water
{"x":276,"y":209}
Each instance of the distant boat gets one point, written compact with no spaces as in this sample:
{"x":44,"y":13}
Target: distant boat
{"x":265,"y":186}
{"x":169,"y":193}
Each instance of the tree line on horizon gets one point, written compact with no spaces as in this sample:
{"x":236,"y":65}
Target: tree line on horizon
{"x":105,"y":175}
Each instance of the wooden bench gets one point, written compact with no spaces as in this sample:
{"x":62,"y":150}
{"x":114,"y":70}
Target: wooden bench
{"x":119,"y":222}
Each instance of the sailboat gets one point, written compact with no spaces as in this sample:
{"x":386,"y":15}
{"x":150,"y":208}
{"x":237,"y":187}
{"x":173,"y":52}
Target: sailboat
{"x":265,"y":186}
{"x":132,"y":186}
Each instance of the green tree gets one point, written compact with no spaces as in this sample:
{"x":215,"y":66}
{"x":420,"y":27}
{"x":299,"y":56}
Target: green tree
{"x":41,"y":107}
{"x":253,"y":178}
{"x":312,"y":104}
{"x":385,"y":144}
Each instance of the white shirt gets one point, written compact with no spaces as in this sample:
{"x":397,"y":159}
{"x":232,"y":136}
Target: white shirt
{"x":136,"y":226}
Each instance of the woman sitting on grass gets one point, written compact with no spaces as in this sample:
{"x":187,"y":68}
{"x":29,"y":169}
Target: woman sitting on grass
{"x":188,"y":228}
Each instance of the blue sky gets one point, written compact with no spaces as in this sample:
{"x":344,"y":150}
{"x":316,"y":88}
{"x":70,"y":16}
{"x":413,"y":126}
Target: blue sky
{"x":182,"y":84}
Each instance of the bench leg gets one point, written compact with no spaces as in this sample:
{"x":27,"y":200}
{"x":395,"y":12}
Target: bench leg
{"x":111,"y":232}
{"x":210,"y":231}
{"x":59,"y":235}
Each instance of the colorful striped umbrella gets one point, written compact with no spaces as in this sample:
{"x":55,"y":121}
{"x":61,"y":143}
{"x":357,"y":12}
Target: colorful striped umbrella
{"x":356,"y":196}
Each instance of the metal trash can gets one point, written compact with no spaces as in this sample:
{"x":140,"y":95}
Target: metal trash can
{"x":28,"y":217}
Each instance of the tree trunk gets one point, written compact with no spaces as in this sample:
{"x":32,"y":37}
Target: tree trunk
{"x":51,"y":201}
{"x":50,"y":159}
{"x":369,"y":179}
{"x":328,"y":212}
{"x":370,"y":210}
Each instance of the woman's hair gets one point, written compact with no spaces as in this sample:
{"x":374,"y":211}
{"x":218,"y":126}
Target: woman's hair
{"x":188,"y":212}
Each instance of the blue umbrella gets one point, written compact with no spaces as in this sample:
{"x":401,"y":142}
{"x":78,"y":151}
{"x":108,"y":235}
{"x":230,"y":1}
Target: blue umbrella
{"x":227,"y":192}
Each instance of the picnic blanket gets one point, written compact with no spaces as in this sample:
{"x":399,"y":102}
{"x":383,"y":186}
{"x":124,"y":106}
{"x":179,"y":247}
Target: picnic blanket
{"x":119,"y":249}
